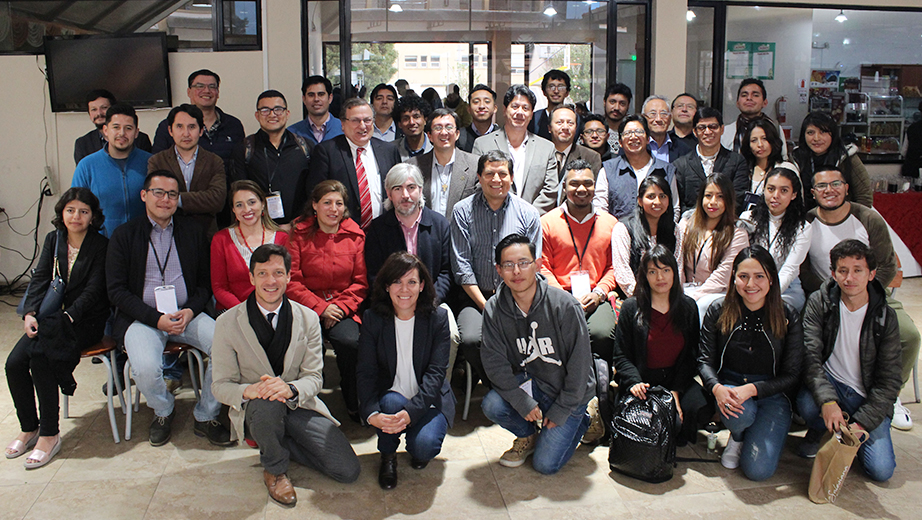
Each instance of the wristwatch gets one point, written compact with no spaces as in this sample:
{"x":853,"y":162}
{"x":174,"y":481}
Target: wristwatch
{"x":294,"y":392}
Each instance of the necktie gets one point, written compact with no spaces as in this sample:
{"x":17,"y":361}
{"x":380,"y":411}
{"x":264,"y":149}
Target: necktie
{"x":560,"y":159}
{"x":271,"y":316}
{"x":364,"y":193}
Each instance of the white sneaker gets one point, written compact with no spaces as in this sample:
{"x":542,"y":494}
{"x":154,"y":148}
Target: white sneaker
{"x":731,"y":455}
{"x":901,"y":419}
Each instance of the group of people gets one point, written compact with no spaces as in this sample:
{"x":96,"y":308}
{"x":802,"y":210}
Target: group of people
{"x":666,"y":246}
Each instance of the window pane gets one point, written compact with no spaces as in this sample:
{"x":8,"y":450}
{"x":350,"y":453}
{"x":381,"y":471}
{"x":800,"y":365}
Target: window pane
{"x":699,"y":53}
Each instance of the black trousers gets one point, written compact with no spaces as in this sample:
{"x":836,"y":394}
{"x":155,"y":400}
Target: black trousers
{"x":28,"y":374}
{"x":344,"y":337}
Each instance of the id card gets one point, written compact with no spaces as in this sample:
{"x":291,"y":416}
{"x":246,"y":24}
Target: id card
{"x":166,"y":299}
{"x":526,"y":386}
{"x":579,"y":284}
{"x":274,"y":202}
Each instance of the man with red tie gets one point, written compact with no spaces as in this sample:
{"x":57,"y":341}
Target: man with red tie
{"x":357,"y":161}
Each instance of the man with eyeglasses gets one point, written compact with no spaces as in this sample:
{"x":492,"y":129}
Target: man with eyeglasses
{"x":595,"y":136}
{"x":656,"y":111}
{"x":751,"y":100}
{"x":478,"y":223}
{"x":536,"y":353}
{"x":482,"y":107}
{"x":709,"y":157}
{"x":157,"y":274}
{"x":556,"y":87}
{"x":684,"y":108}
{"x":449,"y":174}
{"x":411,"y":113}
{"x":98,"y":102}
{"x":320,"y":125}
{"x":275,"y":159}
{"x":356,"y":160}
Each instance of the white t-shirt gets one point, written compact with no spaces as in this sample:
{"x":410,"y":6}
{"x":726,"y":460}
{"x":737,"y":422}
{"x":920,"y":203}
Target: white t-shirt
{"x":825,"y":237}
{"x":845,"y":364}
{"x":405,"y":378}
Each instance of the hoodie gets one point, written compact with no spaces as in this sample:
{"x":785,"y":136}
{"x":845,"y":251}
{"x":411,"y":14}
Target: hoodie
{"x":550,"y":345}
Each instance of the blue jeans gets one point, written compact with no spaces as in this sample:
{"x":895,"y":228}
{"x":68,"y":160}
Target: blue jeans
{"x":794,"y":295}
{"x":555,"y":445}
{"x":876,"y":454}
{"x":762,"y":427}
{"x":145,"y":350}
{"x":424,"y":437}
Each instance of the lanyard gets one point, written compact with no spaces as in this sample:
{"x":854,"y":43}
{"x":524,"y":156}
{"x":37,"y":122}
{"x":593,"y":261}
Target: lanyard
{"x":580,"y":256}
{"x":162,"y":267}
{"x":700,"y":252}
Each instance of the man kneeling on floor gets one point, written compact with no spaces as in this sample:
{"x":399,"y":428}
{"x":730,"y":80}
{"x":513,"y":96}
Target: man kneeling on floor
{"x":268,"y":368}
{"x":536,"y":352}
{"x":852,"y":360}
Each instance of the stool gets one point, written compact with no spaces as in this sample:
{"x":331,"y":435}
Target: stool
{"x":193,"y":357}
{"x":104,"y":351}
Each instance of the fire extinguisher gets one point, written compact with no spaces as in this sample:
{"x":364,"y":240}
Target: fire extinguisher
{"x":782,"y":110}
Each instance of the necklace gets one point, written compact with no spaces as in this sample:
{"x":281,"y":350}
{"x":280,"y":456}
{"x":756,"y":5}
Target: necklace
{"x":244,"y":238}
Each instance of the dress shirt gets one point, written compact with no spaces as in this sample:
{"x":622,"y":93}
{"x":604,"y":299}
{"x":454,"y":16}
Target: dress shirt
{"x":388,"y":135}
{"x":187,"y":168}
{"x":660,"y":152}
{"x":275,"y":314}
{"x":411,"y":234}
{"x":518,"y":164}
{"x":161,"y":242}
{"x":441,"y":180}
{"x":319,"y":131}
{"x":372,"y":175}
{"x":707,"y":162}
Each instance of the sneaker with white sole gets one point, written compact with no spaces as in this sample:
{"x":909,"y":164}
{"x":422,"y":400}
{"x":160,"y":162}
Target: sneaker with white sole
{"x":521,"y":448}
{"x":901,"y":419}
{"x":596,"y":429}
{"x":731,"y":455}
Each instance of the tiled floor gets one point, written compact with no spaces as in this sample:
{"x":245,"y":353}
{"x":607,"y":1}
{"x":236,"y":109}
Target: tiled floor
{"x":95,"y":479}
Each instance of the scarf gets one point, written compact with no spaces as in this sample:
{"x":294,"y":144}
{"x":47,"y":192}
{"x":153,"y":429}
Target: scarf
{"x":274,"y":342}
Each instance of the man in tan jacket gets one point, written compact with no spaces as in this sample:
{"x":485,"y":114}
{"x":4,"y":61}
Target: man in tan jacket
{"x":268,"y":368}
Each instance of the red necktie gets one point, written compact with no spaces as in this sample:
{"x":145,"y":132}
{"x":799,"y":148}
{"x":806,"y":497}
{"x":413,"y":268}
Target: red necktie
{"x":364,"y":193}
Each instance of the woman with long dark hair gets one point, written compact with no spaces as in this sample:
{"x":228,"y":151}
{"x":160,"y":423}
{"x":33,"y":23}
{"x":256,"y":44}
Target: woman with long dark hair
{"x":780,"y":226}
{"x":752,"y":345}
{"x":652,"y":222}
{"x":656,"y":340}
{"x":403,"y":357}
{"x":762,"y":148}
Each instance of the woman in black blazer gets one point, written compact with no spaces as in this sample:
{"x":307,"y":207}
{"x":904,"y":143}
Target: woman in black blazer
{"x":45,"y":357}
{"x":403,"y":356}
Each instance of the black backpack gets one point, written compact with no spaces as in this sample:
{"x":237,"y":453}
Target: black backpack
{"x":643,"y":436}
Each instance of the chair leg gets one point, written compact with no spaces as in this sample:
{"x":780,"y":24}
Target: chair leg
{"x":65,"y":406}
{"x":130,"y":404}
{"x":915,"y":380}
{"x":467,"y":390}
{"x":111,"y":381}
{"x":113,"y":368}
{"x":196,"y":357}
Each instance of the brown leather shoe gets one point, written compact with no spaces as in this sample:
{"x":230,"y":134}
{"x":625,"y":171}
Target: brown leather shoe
{"x":280,"y":488}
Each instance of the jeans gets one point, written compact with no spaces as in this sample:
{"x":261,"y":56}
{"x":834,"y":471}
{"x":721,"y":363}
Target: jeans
{"x":794,"y":295}
{"x":145,"y":351}
{"x":876,"y":454}
{"x":424,"y":437}
{"x":555,"y":445}
{"x":762,"y":427}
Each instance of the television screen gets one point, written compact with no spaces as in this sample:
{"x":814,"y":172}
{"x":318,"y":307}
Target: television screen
{"x":133,"y":67}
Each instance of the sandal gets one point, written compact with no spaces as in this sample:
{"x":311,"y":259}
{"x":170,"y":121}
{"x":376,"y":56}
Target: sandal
{"x":41,"y":458}
{"x":17,"y":447}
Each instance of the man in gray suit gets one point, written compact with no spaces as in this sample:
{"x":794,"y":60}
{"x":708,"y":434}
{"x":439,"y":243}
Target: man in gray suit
{"x":533,"y":160}
{"x":449,"y":174}
{"x":563,"y":125}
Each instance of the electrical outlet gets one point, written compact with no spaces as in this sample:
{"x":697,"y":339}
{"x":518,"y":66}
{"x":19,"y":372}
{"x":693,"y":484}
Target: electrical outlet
{"x":52,"y":184}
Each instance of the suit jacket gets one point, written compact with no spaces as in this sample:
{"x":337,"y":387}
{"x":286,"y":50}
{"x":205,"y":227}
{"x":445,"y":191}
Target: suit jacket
{"x":464,"y":181}
{"x":690,"y":176}
{"x":378,"y":364}
{"x":540,"y":124}
{"x":468,"y":136}
{"x":206,"y":195}
{"x":126,"y":265}
{"x":540,"y":187}
{"x":92,"y":142}
{"x":333,"y":160}
{"x":238,"y":360}
{"x":578,"y":151}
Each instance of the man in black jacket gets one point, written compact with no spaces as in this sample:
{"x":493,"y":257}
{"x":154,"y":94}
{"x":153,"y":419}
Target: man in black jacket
{"x":157,"y":274}
{"x":98,"y":102}
{"x":852,"y":359}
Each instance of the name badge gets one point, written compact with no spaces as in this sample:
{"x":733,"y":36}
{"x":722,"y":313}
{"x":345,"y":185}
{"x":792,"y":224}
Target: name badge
{"x":166,"y":299}
{"x":579,"y":284}
{"x":274,"y":201}
{"x":526,"y":386}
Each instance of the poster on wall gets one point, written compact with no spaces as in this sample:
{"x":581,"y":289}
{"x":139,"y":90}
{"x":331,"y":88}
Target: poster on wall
{"x":737,"y":60}
{"x":750,"y":60}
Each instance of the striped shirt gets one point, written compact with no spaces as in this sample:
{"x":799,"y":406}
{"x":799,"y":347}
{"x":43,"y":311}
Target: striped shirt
{"x":161,"y":242}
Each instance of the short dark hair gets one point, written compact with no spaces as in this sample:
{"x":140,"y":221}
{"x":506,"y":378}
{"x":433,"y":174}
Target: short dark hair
{"x":555,"y":74}
{"x":594,"y":117}
{"x":481,"y":86}
{"x":440,"y":112}
{"x":408,"y":104}
{"x":494,"y":156}
{"x":852,"y":248}
{"x":316,"y":80}
{"x":266,"y":251}
{"x":511,"y":240}
{"x":708,"y":113}
{"x":83,"y":195}
{"x":519,"y":90}
{"x":122,"y":109}
{"x":193,"y":111}
{"x":160,"y":173}
{"x":379,"y":87}
{"x":826,"y":168}
{"x":562,"y":106}
{"x":631,"y":118}
{"x":576,"y":164}
{"x":619,"y":88}
{"x":396,"y":267}
{"x":204,"y":72}
{"x":352,"y":103}
{"x":271,"y":94}
{"x":95,"y":94}
{"x":683,"y":94}
{"x":752,"y":81}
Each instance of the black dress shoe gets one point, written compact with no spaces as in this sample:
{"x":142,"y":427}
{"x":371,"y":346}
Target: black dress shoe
{"x":387,"y":475}
{"x":161,"y":429}
{"x":216,"y":433}
{"x":418,"y":464}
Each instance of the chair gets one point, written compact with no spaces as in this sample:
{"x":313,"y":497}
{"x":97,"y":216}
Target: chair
{"x":104,"y":351}
{"x":194,"y":357}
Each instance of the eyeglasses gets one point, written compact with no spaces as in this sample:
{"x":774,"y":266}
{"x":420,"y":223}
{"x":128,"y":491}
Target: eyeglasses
{"x":689,"y":106}
{"x":557,"y":88}
{"x":203,"y":86}
{"x":600,"y":131}
{"x":662,"y":113}
{"x":628,"y":133}
{"x":823,"y":186}
{"x":448,"y":128}
{"x":264,"y":111}
{"x":713,"y":127}
{"x":522,"y":265}
{"x":158,"y":193}
{"x":360,"y":120}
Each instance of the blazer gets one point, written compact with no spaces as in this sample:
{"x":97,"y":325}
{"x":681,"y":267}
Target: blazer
{"x":578,"y":151}
{"x":230,"y":275}
{"x":206,"y":195}
{"x":238,"y":360}
{"x":126,"y":266}
{"x":93,"y":141}
{"x":540,"y":187}
{"x":464,"y":181}
{"x":540,"y":124}
{"x":377,"y":364}
{"x":433,"y":245}
{"x":690,"y":176}
{"x":333,"y":160}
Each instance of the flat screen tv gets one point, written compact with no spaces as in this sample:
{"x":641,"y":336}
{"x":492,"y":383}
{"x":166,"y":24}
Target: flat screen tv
{"x":134,"y":67}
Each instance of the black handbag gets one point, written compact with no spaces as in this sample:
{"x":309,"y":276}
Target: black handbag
{"x":644,"y":433}
{"x":54,"y":295}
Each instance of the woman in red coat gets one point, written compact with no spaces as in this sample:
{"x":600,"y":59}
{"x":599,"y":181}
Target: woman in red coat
{"x":328,"y":276}
{"x":231,"y":248}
